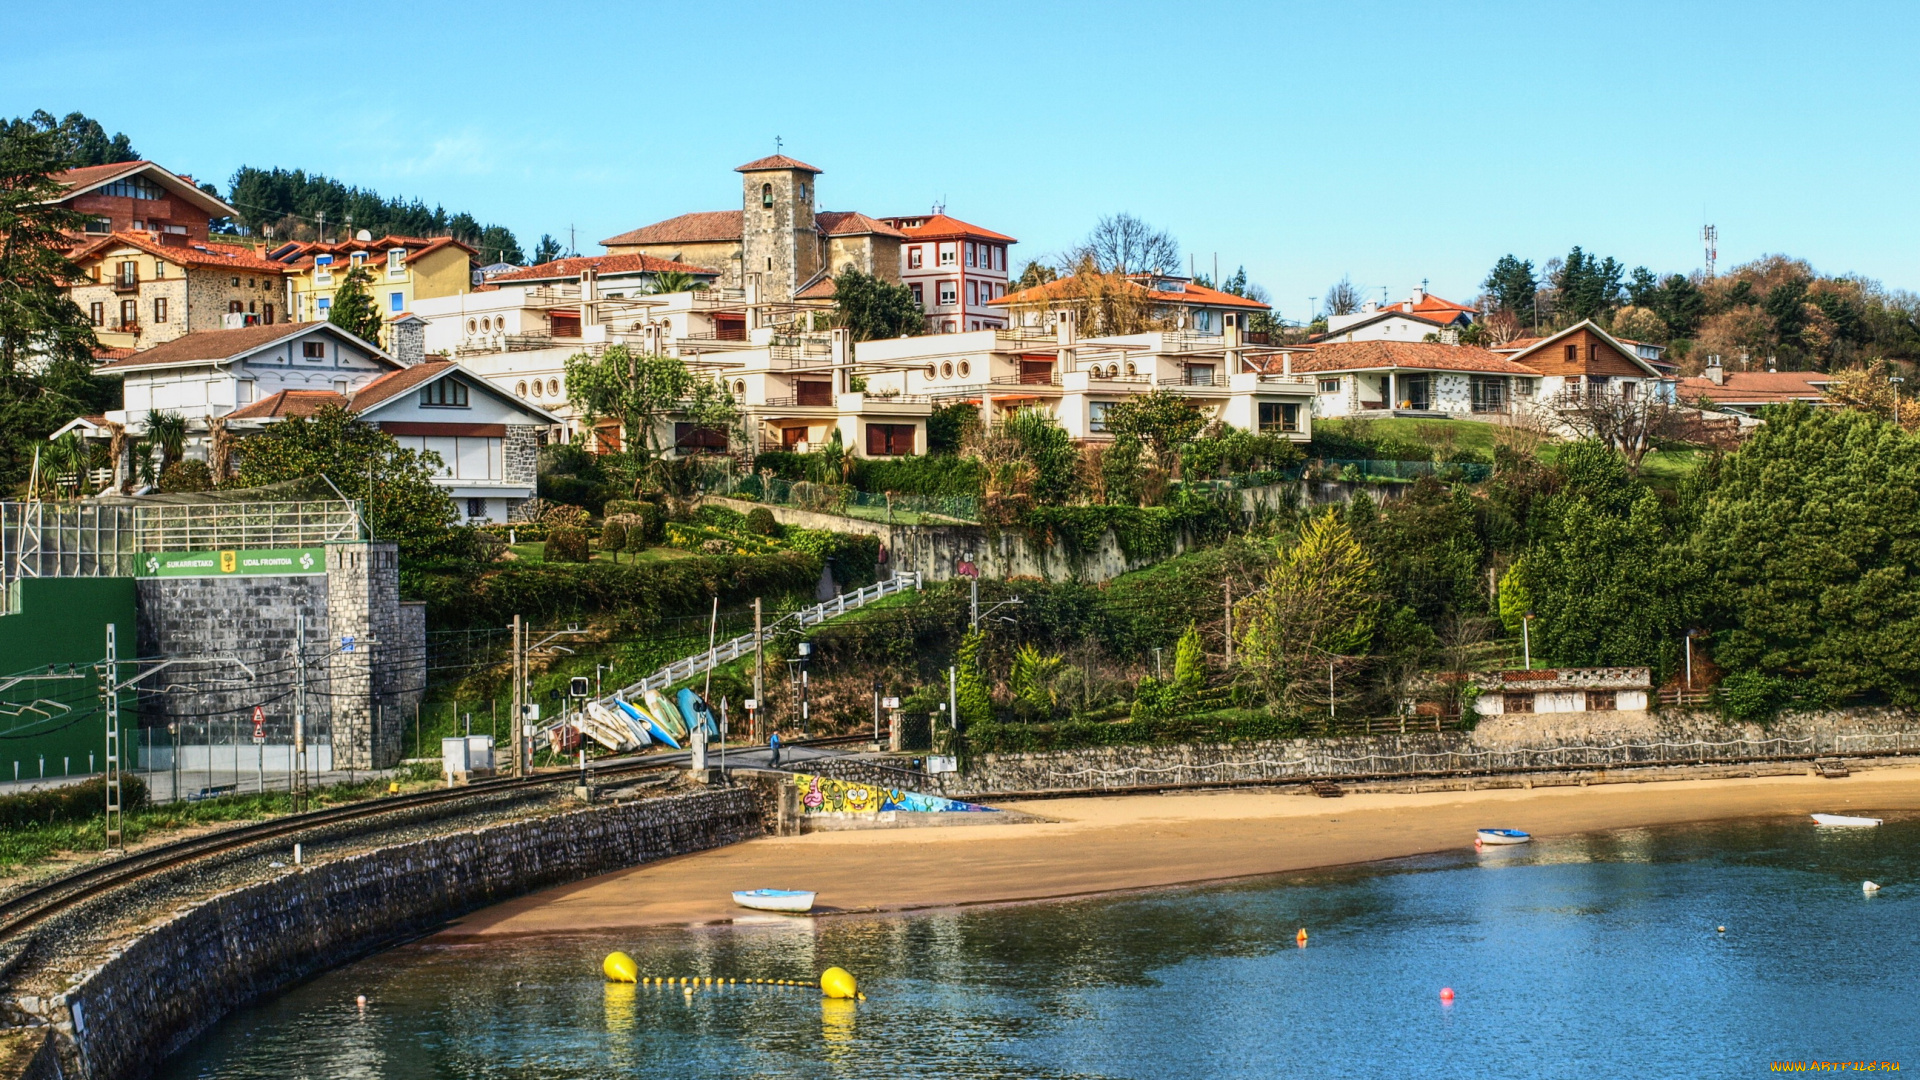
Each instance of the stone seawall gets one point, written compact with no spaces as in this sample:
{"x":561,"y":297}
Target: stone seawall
{"x":180,"y":976}
{"x":1553,"y":741}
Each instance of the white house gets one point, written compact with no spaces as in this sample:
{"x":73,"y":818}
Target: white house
{"x":1410,"y":320}
{"x":1378,"y":377}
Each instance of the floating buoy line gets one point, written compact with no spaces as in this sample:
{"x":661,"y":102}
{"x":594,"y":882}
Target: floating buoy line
{"x":834,"y":982}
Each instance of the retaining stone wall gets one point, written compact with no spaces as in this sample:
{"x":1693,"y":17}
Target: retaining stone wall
{"x":1571,"y":740}
{"x":178,"y":978}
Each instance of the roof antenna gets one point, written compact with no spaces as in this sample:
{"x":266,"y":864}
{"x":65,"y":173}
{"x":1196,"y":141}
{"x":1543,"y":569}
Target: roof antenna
{"x":940,"y":205}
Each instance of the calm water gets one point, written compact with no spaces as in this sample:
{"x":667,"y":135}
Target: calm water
{"x":1595,"y":956}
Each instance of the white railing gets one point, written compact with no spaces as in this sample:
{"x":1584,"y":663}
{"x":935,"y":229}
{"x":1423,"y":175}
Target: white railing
{"x":728,"y":651}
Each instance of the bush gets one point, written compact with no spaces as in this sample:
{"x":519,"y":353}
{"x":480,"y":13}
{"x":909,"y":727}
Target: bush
{"x":589,"y":495}
{"x":520,"y":532}
{"x":760,"y":522}
{"x":943,"y":474}
{"x":556,"y":514}
{"x":784,"y":464}
{"x":491,"y":596}
{"x":186,"y":476}
{"x":69,"y":803}
{"x":1752,"y":697}
{"x":613,"y":535}
{"x":567,"y":543}
{"x":947,"y":427}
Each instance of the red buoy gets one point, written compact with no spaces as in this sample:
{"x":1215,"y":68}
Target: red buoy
{"x":1446,"y":993}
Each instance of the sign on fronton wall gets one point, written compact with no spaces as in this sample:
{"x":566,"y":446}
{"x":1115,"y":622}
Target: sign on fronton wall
{"x":237,"y":562}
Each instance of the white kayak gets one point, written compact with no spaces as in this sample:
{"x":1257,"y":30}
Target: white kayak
{"x":1501,"y":836}
{"x":1843,"y":820}
{"x":798,"y":900}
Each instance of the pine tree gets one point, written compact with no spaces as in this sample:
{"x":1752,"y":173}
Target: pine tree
{"x":1511,"y":286}
{"x":354,"y":310}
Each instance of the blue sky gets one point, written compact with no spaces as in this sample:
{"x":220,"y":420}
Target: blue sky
{"x":1390,"y":142}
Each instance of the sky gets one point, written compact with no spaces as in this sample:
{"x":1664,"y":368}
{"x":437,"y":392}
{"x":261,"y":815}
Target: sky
{"x":1388,"y":143}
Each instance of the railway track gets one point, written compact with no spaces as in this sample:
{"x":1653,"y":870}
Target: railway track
{"x":20,"y":912}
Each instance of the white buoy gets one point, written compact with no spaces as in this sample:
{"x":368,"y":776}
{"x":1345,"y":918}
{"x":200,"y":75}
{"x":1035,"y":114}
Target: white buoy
{"x":1869,"y":888}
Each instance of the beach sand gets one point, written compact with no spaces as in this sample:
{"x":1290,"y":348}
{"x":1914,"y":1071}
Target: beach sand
{"x":1096,"y":845}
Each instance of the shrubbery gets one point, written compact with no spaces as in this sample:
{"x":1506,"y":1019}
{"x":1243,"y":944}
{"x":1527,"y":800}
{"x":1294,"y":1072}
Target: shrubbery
{"x":492,"y":595}
{"x":567,"y":543}
{"x":69,"y":802}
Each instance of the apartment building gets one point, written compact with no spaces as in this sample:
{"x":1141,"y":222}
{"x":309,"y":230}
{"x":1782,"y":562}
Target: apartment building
{"x":140,"y":290}
{"x":956,"y":271}
{"x":140,"y":197}
{"x":399,"y":271}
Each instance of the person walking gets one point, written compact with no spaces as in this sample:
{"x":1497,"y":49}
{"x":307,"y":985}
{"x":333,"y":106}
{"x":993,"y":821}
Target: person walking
{"x":773,"y":742}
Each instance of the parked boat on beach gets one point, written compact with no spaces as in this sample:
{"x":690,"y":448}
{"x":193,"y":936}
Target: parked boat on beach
{"x":788,"y":900}
{"x":1844,"y":821}
{"x":1501,"y":836}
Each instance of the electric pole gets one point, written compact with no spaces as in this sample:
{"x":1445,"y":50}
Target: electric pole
{"x":1229,"y":621}
{"x":519,"y":682}
{"x":759,"y":710}
{"x":296,"y":783}
{"x":110,"y":692}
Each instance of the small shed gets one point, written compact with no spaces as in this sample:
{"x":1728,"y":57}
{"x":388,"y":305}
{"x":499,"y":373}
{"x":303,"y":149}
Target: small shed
{"x":1563,"y":690}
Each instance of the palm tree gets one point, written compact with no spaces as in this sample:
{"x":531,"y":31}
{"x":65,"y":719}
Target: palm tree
{"x":64,"y":464}
{"x":168,"y":431}
{"x":673,"y":281}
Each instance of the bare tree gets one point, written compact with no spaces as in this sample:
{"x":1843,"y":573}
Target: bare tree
{"x":1343,"y":297}
{"x":1123,"y":244}
{"x":1624,"y":418}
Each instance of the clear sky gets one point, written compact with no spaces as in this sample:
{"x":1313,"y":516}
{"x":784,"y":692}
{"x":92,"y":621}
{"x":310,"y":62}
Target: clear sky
{"x":1390,"y":142}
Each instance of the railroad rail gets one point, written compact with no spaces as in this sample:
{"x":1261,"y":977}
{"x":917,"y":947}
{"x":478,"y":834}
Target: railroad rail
{"x":19,"y":913}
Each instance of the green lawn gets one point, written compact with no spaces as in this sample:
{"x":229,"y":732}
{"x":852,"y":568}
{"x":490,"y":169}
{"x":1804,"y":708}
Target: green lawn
{"x":537,"y":552}
{"x":1466,"y":434}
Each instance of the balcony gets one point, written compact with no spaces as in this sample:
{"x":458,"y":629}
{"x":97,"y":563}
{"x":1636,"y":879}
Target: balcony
{"x":801,"y":401}
{"x":123,"y":327}
{"x":1031,"y":378}
{"x":124,"y":283}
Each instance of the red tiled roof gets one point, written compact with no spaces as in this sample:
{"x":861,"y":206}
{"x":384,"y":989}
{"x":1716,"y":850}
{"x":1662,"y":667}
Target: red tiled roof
{"x":87,"y":175}
{"x":852,"y":223}
{"x":1192,"y":296}
{"x":605,"y":264}
{"x":777,"y":161}
{"x":288,"y":403}
{"x":1518,"y":345}
{"x":208,"y":345}
{"x":1757,"y":387}
{"x":101,"y":352}
{"x":223,"y":256}
{"x":1431,"y":306}
{"x":1432,"y":356}
{"x":702,"y":227}
{"x":822,"y":289}
{"x":941,"y":226}
{"x":394,"y":383}
{"x":301,"y":254}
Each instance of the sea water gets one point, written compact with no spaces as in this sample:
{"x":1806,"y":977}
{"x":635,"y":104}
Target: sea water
{"x":1592,"y":956}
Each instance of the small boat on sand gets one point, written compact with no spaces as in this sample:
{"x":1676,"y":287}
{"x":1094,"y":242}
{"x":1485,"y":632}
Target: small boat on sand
{"x":1501,"y":836}
{"x":1845,"y":821}
{"x":790,"y":900}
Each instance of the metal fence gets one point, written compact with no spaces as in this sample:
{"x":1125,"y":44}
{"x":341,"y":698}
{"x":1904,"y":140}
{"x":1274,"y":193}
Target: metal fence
{"x":90,"y":539}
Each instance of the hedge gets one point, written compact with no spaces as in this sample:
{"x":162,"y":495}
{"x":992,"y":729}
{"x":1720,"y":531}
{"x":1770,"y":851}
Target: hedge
{"x":492,"y":595}
{"x":69,"y":803}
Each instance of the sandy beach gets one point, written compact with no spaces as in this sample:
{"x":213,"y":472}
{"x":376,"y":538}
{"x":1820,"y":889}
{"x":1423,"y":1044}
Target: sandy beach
{"x":1097,"y":845}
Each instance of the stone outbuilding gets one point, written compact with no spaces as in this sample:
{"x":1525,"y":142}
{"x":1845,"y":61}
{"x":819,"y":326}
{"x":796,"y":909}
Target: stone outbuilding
{"x":1563,"y":690}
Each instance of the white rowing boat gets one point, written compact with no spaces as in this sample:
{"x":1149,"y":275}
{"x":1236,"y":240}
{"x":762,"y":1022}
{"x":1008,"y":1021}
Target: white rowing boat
{"x":1501,"y":836}
{"x":791,"y":900}
{"x":1845,"y":821}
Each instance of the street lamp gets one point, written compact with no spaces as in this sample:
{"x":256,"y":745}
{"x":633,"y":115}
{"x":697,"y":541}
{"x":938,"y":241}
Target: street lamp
{"x":1526,"y":638}
{"x":1895,"y":381}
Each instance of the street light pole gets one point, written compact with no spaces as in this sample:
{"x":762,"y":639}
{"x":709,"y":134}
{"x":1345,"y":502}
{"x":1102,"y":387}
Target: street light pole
{"x":1526,"y":638}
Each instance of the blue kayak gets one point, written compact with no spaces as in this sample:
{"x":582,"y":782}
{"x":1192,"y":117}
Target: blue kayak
{"x":697,"y":712}
{"x":654,"y":727}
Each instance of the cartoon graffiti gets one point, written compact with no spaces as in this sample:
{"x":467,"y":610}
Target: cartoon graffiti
{"x":825,"y":795}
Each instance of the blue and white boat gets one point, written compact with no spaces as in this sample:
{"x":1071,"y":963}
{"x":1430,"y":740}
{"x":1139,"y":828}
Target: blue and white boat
{"x":1501,"y":836}
{"x":788,"y":900}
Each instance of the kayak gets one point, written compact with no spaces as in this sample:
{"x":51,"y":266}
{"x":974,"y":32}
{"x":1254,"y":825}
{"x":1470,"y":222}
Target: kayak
{"x":697,"y":712}
{"x":654,"y":728}
{"x":666,"y":714}
{"x":607,"y":727}
{"x":1501,"y":836}
{"x":1848,"y":822}
{"x":792,"y":900}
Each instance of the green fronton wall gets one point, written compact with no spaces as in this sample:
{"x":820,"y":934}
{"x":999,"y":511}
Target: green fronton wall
{"x":61,"y":622}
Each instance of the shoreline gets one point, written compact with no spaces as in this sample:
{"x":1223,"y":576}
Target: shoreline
{"x":1111,"y":845}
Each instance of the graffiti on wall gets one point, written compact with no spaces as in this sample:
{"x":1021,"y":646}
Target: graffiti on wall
{"x":825,"y":795}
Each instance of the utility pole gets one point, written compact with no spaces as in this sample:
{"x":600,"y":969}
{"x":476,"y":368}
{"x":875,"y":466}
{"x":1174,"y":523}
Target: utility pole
{"x":519,"y":684}
{"x":754,"y":721}
{"x":1229,"y":621}
{"x":296,"y":783}
{"x":974,"y":590}
{"x":111,"y":693}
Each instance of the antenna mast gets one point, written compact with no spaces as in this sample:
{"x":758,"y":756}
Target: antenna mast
{"x":1710,"y":236}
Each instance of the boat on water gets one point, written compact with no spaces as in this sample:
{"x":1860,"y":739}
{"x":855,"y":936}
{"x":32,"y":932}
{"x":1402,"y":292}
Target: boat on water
{"x":1501,"y":836}
{"x":1844,"y":821}
{"x":789,"y":900}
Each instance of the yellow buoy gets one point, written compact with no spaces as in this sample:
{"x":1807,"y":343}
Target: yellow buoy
{"x":619,"y":967}
{"x":1301,"y":937}
{"x":836,"y":982}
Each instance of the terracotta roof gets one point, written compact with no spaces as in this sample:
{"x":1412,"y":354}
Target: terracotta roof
{"x":89,"y":176}
{"x":1757,"y":387}
{"x":777,"y":161}
{"x":852,"y":223}
{"x":702,"y":227}
{"x":394,"y":383}
{"x":1433,"y":306}
{"x":1427,"y":355}
{"x":102,"y":353}
{"x":941,"y":226}
{"x":605,"y":264}
{"x":822,"y":289}
{"x":288,"y":403}
{"x":1192,"y":296}
{"x":204,"y":345}
{"x":1517,"y":349}
{"x":224,"y":256}
{"x":1520,"y":344}
{"x":301,"y":254}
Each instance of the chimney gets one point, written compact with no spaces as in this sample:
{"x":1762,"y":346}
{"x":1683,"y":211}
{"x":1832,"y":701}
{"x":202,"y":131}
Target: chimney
{"x":1715,"y":373}
{"x":1063,"y":328}
{"x":589,"y":293}
{"x":842,"y":352}
{"x":408,"y":337}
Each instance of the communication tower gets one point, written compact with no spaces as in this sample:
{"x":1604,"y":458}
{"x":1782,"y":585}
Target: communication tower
{"x":1710,"y":236}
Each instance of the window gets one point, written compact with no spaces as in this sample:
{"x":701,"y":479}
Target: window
{"x":1523,"y":387}
{"x":476,"y":508}
{"x":138,"y":187}
{"x":966,"y":369}
{"x":946,"y":370}
{"x":129,"y":314}
{"x":1626,"y":391}
{"x":97,"y":313}
{"x":520,"y":388}
{"x":812,"y":392}
{"x":266,"y":314}
{"x":1573,"y":357}
{"x":538,"y":387}
{"x":931,"y":371}
{"x":1199,"y":374}
{"x":1516,"y":703}
{"x":100,"y":226}
{"x":235,"y":307}
{"x":357,"y":258}
{"x":766,"y":198}
{"x":159,"y":270}
{"x":1097,"y":415}
{"x":553,"y":387}
{"x":340,"y":387}
{"x":804,"y":193}
{"x":949,"y":292}
{"x":249,"y":282}
{"x":889,"y":440}
{"x":698,"y":438}
{"x":1593,"y":353}
{"x":1329,"y":386}
{"x":448,"y":393}
{"x":946,"y":255}
{"x":1602,"y":700}
{"x":323,"y":305}
{"x":915,"y":257}
{"x":919,"y":296}
{"x":973,"y":294}
{"x":1278,"y":417}
{"x":397,"y":302}
{"x":236,"y":282}
{"x":1489,"y":393}
{"x":1416,"y":391}
{"x":243,"y":391}
{"x":397,"y":261}
{"x":129,"y":274}
{"x":973,"y":258}
{"x":313,"y":350}
{"x":159,"y":309}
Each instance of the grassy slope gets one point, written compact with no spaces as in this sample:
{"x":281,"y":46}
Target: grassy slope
{"x":1662,"y":468}
{"x":537,"y":552}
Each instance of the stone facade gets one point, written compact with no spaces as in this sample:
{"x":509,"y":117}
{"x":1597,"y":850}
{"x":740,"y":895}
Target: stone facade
{"x":178,"y":978}
{"x":366,"y":655}
{"x":779,"y":242}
